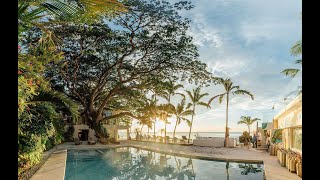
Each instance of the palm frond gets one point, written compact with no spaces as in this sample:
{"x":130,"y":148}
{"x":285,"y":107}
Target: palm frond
{"x":243,"y":92}
{"x":61,"y":10}
{"x":61,"y":99}
{"x":202,"y":95}
{"x":190,"y":95}
{"x":181,"y":94}
{"x":214,"y":97}
{"x":203,"y":104}
{"x":290,"y":72}
{"x":297,"y":48}
{"x":242,"y":122}
{"x":187,"y":113}
{"x":299,"y":61}
{"x":189,"y":105}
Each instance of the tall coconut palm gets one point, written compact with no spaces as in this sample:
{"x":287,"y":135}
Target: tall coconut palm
{"x":169,"y":90}
{"x":165,"y":111}
{"x":195,"y":97}
{"x":230,"y":89}
{"x":150,"y":111}
{"x":248,"y":121}
{"x":180,"y":112}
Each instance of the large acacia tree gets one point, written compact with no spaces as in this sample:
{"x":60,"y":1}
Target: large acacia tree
{"x":105,"y":61}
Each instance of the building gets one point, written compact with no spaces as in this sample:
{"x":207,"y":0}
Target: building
{"x":116,"y":128}
{"x":289,"y":121}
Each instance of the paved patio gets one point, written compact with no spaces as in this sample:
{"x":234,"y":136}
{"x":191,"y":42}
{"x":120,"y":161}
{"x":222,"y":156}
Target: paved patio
{"x":55,"y":166}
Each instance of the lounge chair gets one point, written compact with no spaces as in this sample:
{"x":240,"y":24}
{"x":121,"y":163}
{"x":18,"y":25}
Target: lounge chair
{"x":91,"y":141}
{"x":77,"y":141}
{"x":175,"y":139}
{"x":184,"y":139}
{"x":168,"y":138}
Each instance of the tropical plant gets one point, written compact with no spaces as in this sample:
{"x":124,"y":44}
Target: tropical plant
{"x":229,"y":89}
{"x":245,"y":138}
{"x":165,"y":111}
{"x":248,"y":121}
{"x":296,"y":50}
{"x":169,"y":90}
{"x":180,"y":112}
{"x":195,"y":97}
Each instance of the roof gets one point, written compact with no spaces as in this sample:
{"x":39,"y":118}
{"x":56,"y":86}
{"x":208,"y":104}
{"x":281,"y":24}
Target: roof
{"x":294,"y":103}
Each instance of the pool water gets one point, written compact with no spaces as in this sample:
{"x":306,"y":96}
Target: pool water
{"x":135,"y":164}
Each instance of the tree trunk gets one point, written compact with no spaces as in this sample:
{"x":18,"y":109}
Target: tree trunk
{"x":194,"y":108}
{"x":175,"y":127}
{"x":154,"y":129}
{"x":227,"y":130}
{"x":249,"y":129}
{"x":141,"y":128}
{"x":165,"y":132}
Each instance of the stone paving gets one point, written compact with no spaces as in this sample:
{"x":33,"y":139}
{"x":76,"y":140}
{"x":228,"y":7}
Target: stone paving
{"x":53,"y":168}
{"x":273,"y":170}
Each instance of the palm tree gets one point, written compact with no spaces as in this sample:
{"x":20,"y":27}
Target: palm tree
{"x":248,"y":121}
{"x":58,"y":98}
{"x":229,"y":89}
{"x":150,"y":111}
{"x":195,"y":98}
{"x":180,"y":114}
{"x":295,"y":50}
{"x":169,"y":90}
{"x":165,"y":112}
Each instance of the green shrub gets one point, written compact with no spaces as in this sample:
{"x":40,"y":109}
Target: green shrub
{"x":245,"y":137}
{"x":68,"y":136}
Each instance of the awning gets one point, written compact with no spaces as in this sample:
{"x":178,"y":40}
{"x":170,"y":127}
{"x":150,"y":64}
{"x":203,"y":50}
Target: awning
{"x":264,"y":125}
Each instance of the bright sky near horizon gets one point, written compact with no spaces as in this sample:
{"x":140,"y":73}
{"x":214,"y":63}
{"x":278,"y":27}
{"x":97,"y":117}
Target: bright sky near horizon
{"x":248,"y":41}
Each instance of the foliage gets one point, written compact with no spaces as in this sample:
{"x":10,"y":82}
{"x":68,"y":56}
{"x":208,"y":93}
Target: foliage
{"x":195,"y":96}
{"x":248,"y":121}
{"x":245,"y":137}
{"x":68,"y":135}
{"x":277,"y":136}
{"x":102,"y":64}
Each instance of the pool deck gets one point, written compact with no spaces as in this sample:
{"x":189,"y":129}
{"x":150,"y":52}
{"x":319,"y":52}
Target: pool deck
{"x":54,"y":168}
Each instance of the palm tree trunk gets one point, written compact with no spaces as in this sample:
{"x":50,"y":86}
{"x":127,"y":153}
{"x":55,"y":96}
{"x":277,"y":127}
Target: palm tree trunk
{"x":155,"y":119}
{"x":249,"y":128}
{"x":175,"y":127}
{"x":191,"y":123}
{"x":165,"y":126}
{"x":154,"y":129}
{"x":165,"y":132}
{"x":227,"y":131}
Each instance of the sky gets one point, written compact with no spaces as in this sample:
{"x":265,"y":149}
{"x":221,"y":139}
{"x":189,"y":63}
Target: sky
{"x":248,"y":41}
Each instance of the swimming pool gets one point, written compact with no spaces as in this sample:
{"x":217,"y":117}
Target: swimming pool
{"x":135,"y":164}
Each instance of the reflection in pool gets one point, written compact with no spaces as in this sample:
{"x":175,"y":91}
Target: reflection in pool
{"x":136,"y":164}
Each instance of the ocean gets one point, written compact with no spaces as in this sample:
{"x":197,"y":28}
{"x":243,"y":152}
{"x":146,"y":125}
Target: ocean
{"x":192,"y":136}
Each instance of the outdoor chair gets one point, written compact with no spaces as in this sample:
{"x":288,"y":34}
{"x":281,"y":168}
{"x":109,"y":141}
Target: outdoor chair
{"x":184,"y":139}
{"x":167,"y":138}
{"x":91,"y":141}
{"x":175,"y":139}
{"x":77,"y":141}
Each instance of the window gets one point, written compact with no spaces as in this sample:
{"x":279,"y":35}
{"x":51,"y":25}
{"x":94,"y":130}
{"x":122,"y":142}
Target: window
{"x":297,"y":138}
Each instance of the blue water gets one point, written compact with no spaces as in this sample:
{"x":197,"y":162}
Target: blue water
{"x":135,"y":164}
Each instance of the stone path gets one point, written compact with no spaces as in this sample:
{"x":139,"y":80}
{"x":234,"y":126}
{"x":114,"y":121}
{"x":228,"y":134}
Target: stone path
{"x":53,"y":168}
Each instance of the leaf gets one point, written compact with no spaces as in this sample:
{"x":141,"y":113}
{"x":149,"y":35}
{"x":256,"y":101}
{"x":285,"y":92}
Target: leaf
{"x":290,"y":72}
{"x":243,"y":92}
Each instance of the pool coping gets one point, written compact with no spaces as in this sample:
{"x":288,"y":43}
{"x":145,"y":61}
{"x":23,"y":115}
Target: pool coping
{"x":170,"y":152}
